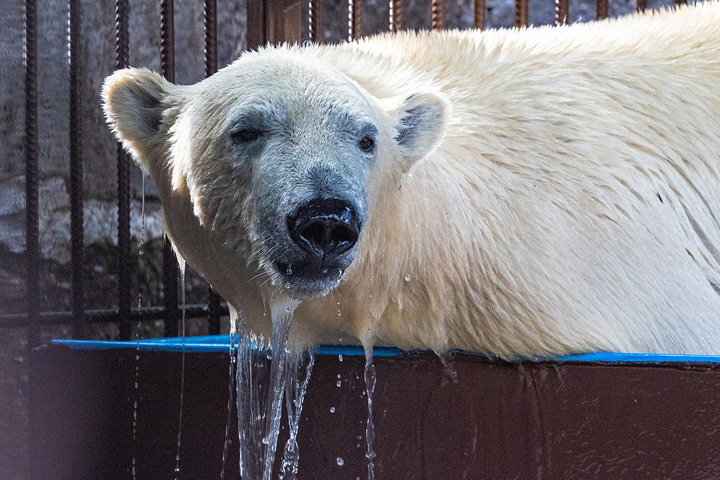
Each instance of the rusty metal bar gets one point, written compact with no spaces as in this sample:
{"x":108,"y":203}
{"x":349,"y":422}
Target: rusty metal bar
{"x":561,"y":12}
{"x":521,"y":13}
{"x":210,"y":27}
{"x":170,"y":267}
{"x":124,"y":259}
{"x":640,"y":5}
{"x":396,"y":15}
{"x":32,"y":226}
{"x":211,"y":66}
{"x":76,"y":173}
{"x":601,"y":9}
{"x":355,"y":12}
{"x":144,"y":314}
{"x":437,"y":8}
{"x":479,"y":14}
{"x":315,"y":19}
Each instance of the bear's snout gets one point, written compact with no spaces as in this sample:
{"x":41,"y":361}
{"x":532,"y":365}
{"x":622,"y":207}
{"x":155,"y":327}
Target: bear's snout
{"x":324,"y":227}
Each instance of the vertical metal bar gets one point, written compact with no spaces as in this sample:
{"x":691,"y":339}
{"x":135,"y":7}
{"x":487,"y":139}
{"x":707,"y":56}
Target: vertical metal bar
{"x":479,"y":14}
{"x":601,"y":9}
{"x":214,"y":311}
{"x":76,"y":173}
{"x":211,"y":66}
{"x":210,"y":25}
{"x":32,"y":226}
{"x":170,"y":267}
{"x":437,"y":8}
{"x":561,"y":12}
{"x":521,"y":13}
{"x":315,"y":14}
{"x":124,"y":259}
{"x":640,"y":5}
{"x":396,"y":11}
{"x":355,"y":12}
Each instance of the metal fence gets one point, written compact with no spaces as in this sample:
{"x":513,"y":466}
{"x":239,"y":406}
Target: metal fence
{"x":267,"y":21}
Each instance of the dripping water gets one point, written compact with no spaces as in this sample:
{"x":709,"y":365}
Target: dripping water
{"x":295,"y":388}
{"x":182,"y":370}
{"x":137,"y":331}
{"x":260,"y":390}
{"x":231,"y":385}
{"x":370,"y":426}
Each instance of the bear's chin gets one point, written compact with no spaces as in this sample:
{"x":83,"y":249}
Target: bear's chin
{"x":304,"y":284}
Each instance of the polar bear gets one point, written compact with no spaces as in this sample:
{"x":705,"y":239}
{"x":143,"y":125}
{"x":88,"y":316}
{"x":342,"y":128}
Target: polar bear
{"x":527,"y":192}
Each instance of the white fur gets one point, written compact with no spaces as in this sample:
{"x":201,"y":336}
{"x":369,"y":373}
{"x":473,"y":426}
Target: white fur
{"x":572,"y":205}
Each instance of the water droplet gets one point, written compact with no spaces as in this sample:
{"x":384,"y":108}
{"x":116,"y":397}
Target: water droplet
{"x":339,"y":313}
{"x":133,"y":461}
{"x":324,"y":271}
{"x":340,"y":358}
{"x":407,"y":277}
{"x":289,"y":270}
{"x":332,"y":409}
{"x":339,"y":376}
{"x":338,"y":383}
{"x":340,"y":461}
{"x":287,"y":309}
{"x":136,"y":385}
{"x":287,"y":285}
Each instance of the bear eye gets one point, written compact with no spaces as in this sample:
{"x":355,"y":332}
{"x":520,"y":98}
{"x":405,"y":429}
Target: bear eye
{"x":247,"y":135}
{"x":366,"y":143}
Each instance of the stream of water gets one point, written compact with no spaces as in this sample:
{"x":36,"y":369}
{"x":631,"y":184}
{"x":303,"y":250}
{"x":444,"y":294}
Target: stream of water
{"x":182,"y":371}
{"x":260,"y":385}
{"x":370,"y":380}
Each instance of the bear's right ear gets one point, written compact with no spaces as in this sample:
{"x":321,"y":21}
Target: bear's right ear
{"x":133,"y":100}
{"x":420,"y":122}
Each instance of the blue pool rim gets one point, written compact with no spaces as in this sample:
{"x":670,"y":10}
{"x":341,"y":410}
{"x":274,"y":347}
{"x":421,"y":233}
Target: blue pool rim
{"x":221,"y":343}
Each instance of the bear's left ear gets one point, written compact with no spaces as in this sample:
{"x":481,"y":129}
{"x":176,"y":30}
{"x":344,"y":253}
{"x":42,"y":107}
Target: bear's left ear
{"x":134,"y":104}
{"x":420,"y":122}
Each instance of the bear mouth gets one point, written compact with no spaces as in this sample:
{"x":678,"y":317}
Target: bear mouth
{"x":306,"y":281}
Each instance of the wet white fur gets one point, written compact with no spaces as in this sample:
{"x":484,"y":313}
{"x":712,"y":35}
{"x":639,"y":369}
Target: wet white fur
{"x":572,"y":205}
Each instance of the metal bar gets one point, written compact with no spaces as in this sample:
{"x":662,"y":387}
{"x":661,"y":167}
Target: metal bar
{"x":315,"y":18}
{"x":210,"y":27}
{"x":521,"y":13}
{"x":640,"y":5}
{"x":170,"y":267}
{"x":479,"y":14}
{"x":32,"y":226}
{"x":103,"y":316}
{"x":124,"y":259}
{"x":211,"y":66}
{"x":601,"y":9}
{"x":437,"y":8}
{"x":396,"y":11}
{"x":77,"y":237}
{"x":355,"y":12}
{"x":215,"y":311}
{"x":561,"y":12}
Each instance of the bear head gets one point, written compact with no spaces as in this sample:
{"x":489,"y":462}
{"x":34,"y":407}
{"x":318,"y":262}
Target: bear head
{"x":282,"y":157}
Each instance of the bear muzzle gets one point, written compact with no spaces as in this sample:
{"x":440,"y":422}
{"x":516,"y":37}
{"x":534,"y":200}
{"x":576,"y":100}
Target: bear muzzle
{"x":325,"y":232}
{"x":324,"y":227}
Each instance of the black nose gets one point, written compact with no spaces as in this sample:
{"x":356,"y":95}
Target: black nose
{"x":324,"y":226}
